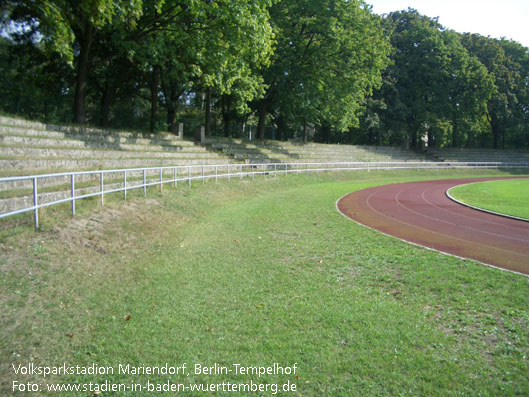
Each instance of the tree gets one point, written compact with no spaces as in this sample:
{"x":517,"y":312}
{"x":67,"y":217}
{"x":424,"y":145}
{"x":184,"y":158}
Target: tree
{"x":202,"y":46}
{"x":329,"y":55}
{"x":469,"y":86}
{"x":70,"y":27}
{"x":33,"y":84}
{"x":432,"y":81}
{"x":519,"y":124}
{"x":508,"y":107}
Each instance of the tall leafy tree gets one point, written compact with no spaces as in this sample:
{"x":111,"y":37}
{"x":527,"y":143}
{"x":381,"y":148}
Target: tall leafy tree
{"x":519,"y":126}
{"x":200,"y":46}
{"x":469,"y":86}
{"x":70,"y":27}
{"x":507,"y":62}
{"x":432,"y":81}
{"x":328,"y":57}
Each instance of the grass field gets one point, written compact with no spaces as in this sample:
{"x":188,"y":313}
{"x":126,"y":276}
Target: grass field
{"x":257,"y":273}
{"x":509,"y":197}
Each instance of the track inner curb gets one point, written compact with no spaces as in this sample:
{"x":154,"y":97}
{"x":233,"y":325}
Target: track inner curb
{"x":481,"y":209}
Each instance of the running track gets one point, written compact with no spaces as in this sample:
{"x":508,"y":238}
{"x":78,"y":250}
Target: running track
{"x":421,"y":213}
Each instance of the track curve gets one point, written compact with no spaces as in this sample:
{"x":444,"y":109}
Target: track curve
{"x":421,"y":213}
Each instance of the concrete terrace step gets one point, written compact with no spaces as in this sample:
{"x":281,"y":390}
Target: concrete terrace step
{"x":330,"y":149}
{"x":36,"y":153}
{"x":320,"y":158}
{"x":270,"y":151}
{"x":33,"y":146}
{"x":477,"y":152}
{"x":57,"y":165}
{"x":328,"y":152}
{"x":31,"y":127}
{"x":300,"y":148}
{"x":118,"y":138}
{"x":116,"y":144}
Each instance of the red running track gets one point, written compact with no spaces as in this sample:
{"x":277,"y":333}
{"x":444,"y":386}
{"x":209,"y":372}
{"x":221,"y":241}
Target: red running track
{"x":421,"y":213}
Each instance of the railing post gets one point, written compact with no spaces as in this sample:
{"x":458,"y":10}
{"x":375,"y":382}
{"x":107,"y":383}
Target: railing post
{"x":73,"y":193}
{"x":144,"y":183}
{"x":175,"y":177}
{"x":161,"y":179}
{"x":124,"y":184}
{"x":241,"y":172}
{"x":252,"y":172}
{"x":102,"y":190}
{"x":216,"y":172}
{"x":275,"y":169}
{"x":228,"y":172}
{"x":189,"y":176}
{"x":286,"y":168}
{"x":35,"y":203}
{"x":203,"y":177}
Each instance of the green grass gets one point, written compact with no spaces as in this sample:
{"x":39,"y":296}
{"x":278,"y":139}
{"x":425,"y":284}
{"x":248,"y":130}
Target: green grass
{"x":509,"y":197}
{"x":258,"y":273}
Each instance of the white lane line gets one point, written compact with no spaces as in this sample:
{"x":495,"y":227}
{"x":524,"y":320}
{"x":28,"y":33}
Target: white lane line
{"x":439,"y":233}
{"x":423,"y":246}
{"x":454,"y":224}
{"x":467,"y":216}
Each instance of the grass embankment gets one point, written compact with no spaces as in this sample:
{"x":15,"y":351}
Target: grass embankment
{"x":509,"y":197}
{"x":257,"y":273}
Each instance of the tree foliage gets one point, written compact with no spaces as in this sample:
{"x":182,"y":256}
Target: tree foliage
{"x":328,"y":58}
{"x":434,"y":88}
{"x":329,"y":66}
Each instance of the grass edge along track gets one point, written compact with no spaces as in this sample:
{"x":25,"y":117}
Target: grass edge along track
{"x":508,"y":197}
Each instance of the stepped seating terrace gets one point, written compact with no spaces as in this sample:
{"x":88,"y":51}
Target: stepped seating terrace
{"x":279,"y":152}
{"x":31,"y":147}
{"x":480,"y":155}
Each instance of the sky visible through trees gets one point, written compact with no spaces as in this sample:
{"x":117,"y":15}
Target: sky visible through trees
{"x":495,"y":18}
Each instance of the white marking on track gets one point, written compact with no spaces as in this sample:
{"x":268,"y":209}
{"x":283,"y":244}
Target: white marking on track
{"x":439,"y":233}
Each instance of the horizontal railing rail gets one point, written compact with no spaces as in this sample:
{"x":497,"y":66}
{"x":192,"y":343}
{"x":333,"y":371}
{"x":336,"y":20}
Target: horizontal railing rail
{"x":124,"y":180}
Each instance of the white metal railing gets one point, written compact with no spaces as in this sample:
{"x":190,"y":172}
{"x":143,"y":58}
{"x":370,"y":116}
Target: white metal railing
{"x":124,"y":180}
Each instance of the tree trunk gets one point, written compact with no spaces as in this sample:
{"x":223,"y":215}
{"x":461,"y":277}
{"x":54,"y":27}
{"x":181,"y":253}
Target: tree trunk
{"x":455,"y":131}
{"x":46,"y":112}
{"x":325,"y":133}
{"x":305,"y":137}
{"x":171,"y":95}
{"x":495,"y":131}
{"x":226,"y":114}
{"x":104,"y":108}
{"x":413,"y":138}
{"x":208,"y":111}
{"x":262,"y":119}
{"x":370,"y":136}
{"x":282,"y":133}
{"x":171,"y":119}
{"x":82,"y":71}
{"x":154,"y":96}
